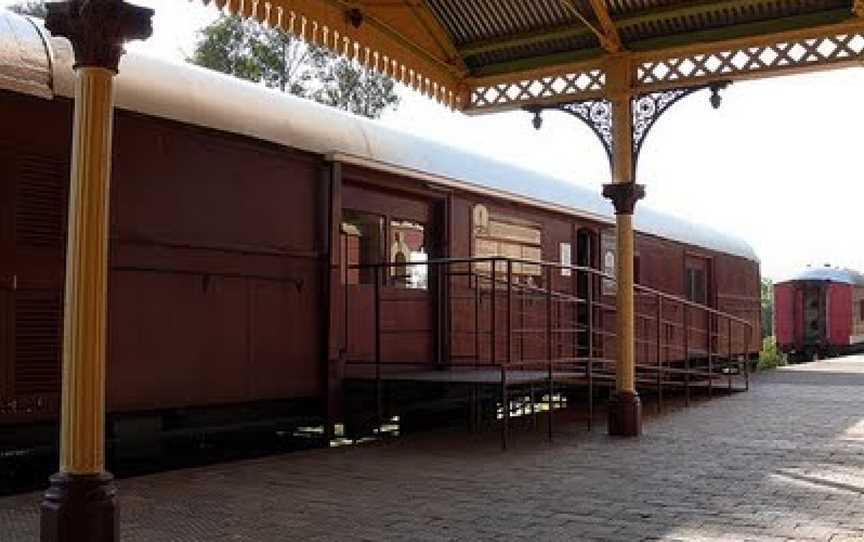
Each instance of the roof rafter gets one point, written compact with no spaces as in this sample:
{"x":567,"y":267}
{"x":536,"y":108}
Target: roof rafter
{"x":613,"y":42}
{"x":436,"y":31}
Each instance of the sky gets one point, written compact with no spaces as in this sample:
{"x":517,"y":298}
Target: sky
{"x":779,"y":164}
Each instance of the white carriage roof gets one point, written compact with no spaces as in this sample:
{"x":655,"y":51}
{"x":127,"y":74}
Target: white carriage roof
{"x":828,"y":274}
{"x":202,"y":97}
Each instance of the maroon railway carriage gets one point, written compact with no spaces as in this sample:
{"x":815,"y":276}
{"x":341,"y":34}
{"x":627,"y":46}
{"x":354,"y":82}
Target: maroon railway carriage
{"x":236,"y":214}
{"x":819,"y":312}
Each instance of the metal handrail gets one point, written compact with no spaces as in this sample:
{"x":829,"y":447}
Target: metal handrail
{"x":710,"y":344}
{"x":554,"y":265}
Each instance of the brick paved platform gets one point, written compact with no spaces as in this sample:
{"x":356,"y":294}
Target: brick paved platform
{"x":783,"y":462}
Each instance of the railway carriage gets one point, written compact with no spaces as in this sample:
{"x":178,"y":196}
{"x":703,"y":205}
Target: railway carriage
{"x":819,"y":312}
{"x":244,"y":243}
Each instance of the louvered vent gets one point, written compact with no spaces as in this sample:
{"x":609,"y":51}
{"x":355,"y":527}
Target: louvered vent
{"x":38,"y":325}
{"x":40,"y":205}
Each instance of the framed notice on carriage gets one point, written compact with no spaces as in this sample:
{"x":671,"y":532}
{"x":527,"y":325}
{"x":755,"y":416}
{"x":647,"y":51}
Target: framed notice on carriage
{"x":503,"y":236}
{"x":607,"y":261}
{"x":566,"y":258}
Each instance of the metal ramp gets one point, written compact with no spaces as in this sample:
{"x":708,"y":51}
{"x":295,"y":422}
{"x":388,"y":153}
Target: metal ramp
{"x":534,"y":334}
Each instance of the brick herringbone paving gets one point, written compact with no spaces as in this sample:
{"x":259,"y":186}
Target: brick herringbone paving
{"x":783,"y":462}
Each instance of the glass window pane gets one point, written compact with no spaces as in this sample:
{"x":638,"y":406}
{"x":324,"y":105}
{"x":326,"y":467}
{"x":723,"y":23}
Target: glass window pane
{"x":362,"y":235}
{"x":407,"y":246}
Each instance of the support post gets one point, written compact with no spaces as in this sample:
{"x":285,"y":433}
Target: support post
{"x":625,"y":408}
{"x":80,"y":502}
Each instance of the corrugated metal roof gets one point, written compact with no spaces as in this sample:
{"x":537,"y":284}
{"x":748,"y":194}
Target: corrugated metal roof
{"x":548,"y":47}
{"x":493,"y":25}
{"x":480,"y":20}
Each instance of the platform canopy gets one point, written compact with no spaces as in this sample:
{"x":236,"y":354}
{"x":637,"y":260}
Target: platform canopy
{"x":491,"y":55}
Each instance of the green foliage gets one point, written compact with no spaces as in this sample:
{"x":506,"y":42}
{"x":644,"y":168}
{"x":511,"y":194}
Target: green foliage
{"x":34,"y":8}
{"x":767,"y":308}
{"x":346,"y":86}
{"x":770,"y":357}
{"x":274,"y":58}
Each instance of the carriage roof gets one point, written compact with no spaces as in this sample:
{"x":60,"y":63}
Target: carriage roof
{"x":33,"y":63}
{"x":827,"y":274}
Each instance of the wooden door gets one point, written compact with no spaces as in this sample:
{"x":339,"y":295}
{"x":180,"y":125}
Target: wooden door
{"x":380,"y":227}
{"x":814,"y":313}
{"x":698,"y":288}
{"x":586,"y":256}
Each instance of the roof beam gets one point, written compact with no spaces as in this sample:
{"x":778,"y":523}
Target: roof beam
{"x":613,"y":39}
{"x":430,"y":23}
{"x":697,"y":7}
{"x":752,"y":55}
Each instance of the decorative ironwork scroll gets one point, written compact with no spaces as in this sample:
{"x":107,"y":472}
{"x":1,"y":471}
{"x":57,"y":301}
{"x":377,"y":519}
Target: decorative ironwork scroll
{"x":647,"y":108}
{"x":597,"y":114}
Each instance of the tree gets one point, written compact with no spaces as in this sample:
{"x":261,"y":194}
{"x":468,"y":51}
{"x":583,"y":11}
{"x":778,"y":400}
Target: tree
{"x":276,"y":59}
{"x":34,"y":8}
{"x":346,"y":86}
{"x":767,"y":308}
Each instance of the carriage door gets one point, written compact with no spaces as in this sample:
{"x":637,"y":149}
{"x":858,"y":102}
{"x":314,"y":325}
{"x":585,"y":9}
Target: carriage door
{"x":380,"y":227}
{"x":698,"y":288}
{"x":585,"y":257}
{"x":814,"y":311}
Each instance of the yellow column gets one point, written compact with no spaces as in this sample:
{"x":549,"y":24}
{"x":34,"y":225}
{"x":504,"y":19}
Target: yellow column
{"x":84,"y":341}
{"x":625,"y":412}
{"x":622,"y":174}
{"x":80,"y":503}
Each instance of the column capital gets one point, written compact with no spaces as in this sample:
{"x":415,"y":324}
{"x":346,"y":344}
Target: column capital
{"x":98,"y":28}
{"x":624,"y":196}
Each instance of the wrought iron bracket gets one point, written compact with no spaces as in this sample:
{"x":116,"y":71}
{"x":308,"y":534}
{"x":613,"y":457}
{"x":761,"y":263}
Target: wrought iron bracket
{"x":647,"y":108}
{"x":596,"y":114}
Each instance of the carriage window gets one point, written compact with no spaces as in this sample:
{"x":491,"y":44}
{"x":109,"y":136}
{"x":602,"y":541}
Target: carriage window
{"x":362,"y":236}
{"x":861,"y":310}
{"x":498,"y":235}
{"x":637,"y":270}
{"x":696,"y":290}
{"x":407,"y":246}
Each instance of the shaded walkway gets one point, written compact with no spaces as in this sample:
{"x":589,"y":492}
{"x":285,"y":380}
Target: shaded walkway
{"x":785,"y":461}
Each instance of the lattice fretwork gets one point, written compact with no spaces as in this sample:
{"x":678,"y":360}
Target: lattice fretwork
{"x":585,"y":83}
{"x":749,"y":61}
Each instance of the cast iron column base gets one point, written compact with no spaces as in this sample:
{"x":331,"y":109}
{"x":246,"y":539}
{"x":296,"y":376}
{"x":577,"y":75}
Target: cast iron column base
{"x":80,"y":507}
{"x":625,"y":414}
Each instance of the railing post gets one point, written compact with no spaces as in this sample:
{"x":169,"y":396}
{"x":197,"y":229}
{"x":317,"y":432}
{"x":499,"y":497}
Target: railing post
{"x":709,"y":324}
{"x":377,"y":304}
{"x":686,"y":318}
{"x":749,"y":330}
{"x":729,"y":353}
{"x":493,"y":321}
{"x":439,"y":335}
{"x":505,"y":400}
{"x":549,"y":342}
{"x":476,"y":279}
{"x":659,"y":317}
{"x":590,"y":324}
